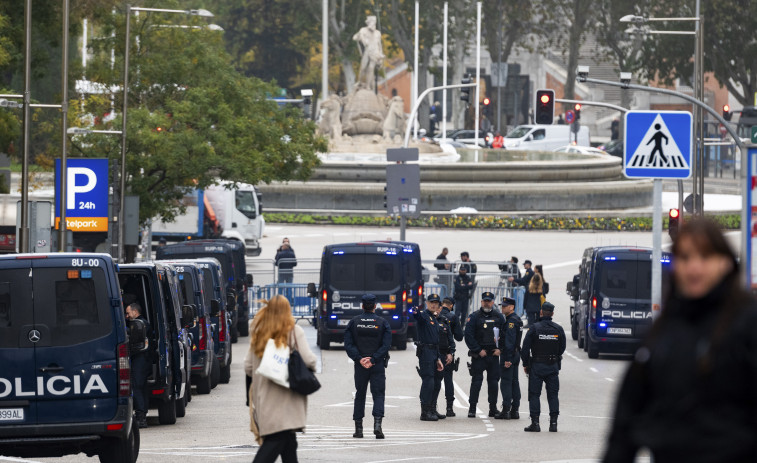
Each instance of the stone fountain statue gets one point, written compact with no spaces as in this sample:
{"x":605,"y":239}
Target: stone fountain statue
{"x":369,"y":42}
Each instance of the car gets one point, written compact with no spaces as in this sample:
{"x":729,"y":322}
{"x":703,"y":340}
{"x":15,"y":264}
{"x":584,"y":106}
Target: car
{"x":169,"y":381}
{"x":613,"y":148}
{"x":614,"y":298}
{"x":575,"y":149}
{"x":65,"y":346}
{"x":467,"y":137}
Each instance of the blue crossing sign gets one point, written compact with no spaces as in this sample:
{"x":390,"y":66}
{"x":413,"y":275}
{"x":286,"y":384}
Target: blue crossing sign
{"x":658,"y":144}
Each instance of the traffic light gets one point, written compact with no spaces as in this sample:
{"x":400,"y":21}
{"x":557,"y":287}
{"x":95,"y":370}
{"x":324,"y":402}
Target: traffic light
{"x":486,"y":101}
{"x":674,"y":217}
{"x":465,"y":91}
{"x":727,"y":112}
{"x":577,"y":109}
{"x":385,"y":206}
{"x":545,"y":106}
{"x":486,"y":105}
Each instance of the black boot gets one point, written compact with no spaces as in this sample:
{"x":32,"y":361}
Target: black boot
{"x":534,"y":427}
{"x":504,"y":414}
{"x":427,"y":413}
{"x":450,"y":411}
{"x":141,"y":418}
{"x":552,"y":423}
{"x":377,"y":427}
{"x":472,"y":411}
{"x":493,"y":411}
{"x":514,"y":415}
{"x":358,"y":429}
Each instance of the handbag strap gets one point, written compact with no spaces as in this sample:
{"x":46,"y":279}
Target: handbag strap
{"x":293,"y":337}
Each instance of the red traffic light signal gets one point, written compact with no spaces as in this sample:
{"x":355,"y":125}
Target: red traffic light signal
{"x":545,"y":106}
{"x":674,"y":213}
{"x":727,"y":112}
{"x":486,"y":101}
{"x":578,"y":106}
{"x":674,"y":218}
{"x":545,"y":99}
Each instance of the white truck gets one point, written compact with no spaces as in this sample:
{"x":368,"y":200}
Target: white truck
{"x":218,"y":212}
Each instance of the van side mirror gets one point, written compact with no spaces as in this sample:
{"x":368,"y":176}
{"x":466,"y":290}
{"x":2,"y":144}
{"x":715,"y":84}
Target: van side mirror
{"x":137,"y":332}
{"x":248,"y":279}
{"x":260,"y":202}
{"x":584,"y":294}
{"x":215,"y":307}
{"x":231,"y":302}
{"x":188,"y":316}
{"x":530,"y":138}
{"x":311,"y":290}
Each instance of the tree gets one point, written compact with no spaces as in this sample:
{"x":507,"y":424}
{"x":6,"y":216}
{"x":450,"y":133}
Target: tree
{"x":577,"y":20}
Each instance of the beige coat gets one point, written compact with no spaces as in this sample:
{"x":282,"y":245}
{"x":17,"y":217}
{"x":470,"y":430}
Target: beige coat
{"x":278,"y":408}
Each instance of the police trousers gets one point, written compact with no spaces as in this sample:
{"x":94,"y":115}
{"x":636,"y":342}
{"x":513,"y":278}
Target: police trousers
{"x":427,"y":358}
{"x":376,"y":376}
{"x":479,"y":365}
{"x":141,"y":367}
{"x":549,"y":375}
{"x":462,"y":308}
{"x":446,"y":376}
{"x":509,"y":384}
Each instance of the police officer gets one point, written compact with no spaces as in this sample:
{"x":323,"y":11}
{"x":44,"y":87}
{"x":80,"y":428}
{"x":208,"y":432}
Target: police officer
{"x":509,"y":361}
{"x":141,"y":365}
{"x":448,"y":305}
{"x":446,"y":353}
{"x":367,"y":340}
{"x":463,"y":287}
{"x":429,"y":360}
{"x":542,"y":352}
{"x":482,"y":341}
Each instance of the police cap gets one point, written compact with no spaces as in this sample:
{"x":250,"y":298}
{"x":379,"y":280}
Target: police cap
{"x":449,"y":300}
{"x":508,"y":301}
{"x":369,"y":299}
{"x":548,"y":307}
{"x":487,"y":296}
{"x":433,"y":298}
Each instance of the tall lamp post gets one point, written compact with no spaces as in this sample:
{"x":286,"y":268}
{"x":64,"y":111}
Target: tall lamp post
{"x":698,"y":87}
{"x":122,"y":175}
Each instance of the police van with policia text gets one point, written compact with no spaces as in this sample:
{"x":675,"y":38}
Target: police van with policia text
{"x":65,"y":383}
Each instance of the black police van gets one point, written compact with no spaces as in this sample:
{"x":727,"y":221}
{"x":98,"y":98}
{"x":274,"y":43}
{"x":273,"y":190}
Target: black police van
{"x":64,"y":350}
{"x":414,"y":281}
{"x":614,"y":311}
{"x":168,"y":382}
{"x":231,"y":255}
{"x":352,"y":269}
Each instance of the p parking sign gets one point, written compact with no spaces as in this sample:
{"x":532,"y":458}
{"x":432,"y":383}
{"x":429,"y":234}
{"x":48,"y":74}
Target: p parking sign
{"x":86,"y":194}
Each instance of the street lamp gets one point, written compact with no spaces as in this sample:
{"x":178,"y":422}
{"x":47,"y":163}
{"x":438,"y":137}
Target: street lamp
{"x":122,"y":180}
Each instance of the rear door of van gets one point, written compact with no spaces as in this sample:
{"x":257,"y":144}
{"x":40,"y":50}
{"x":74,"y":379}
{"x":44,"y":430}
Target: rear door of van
{"x":623,"y":294}
{"x":75,"y":304}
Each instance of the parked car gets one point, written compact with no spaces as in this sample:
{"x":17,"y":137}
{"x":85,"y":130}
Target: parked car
{"x":613,"y":148}
{"x":575,"y":149}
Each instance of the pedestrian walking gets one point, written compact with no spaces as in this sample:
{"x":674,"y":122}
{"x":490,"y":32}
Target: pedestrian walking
{"x":447,"y":312}
{"x":367,"y":340}
{"x":277,"y":411}
{"x":532,"y":301}
{"x":429,"y":357}
{"x":545,"y":286}
{"x":542,"y":352}
{"x":688,"y":395}
{"x":509,"y":362}
{"x":481,"y":332}
{"x":434,"y":118}
{"x":463,"y":289}
{"x":446,"y":354}
{"x":498,"y":141}
{"x":141,"y":365}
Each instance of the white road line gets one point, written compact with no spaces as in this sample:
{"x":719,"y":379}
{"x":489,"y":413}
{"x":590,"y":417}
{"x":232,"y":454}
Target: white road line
{"x":594,"y":370}
{"x":562,"y":264}
{"x":462,"y":394}
{"x":610,"y":380}
{"x":573,"y":357}
{"x":313,"y":235}
{"x":406,"y":459}
{"x":18,"y":459}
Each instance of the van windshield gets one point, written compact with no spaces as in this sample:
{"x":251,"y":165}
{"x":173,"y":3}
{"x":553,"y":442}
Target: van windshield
{"x":518,"y":132}
{"x":365,"y":272}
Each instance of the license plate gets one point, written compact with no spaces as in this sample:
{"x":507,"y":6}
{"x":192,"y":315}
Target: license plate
{"x":11,"y":414}
{"x":343,"y":322}
{"x":619,"y":331}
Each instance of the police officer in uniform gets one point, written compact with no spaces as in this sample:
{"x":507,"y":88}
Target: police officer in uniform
{"x":367,"y":340}
{"x":446,"y":352}
{"x":448,"y":305}
{"x":542,"y":352}
{"x":429,"y":359}
{"x":509,"y":361}
{"x":141,"y":365}
{"x":481,"y":339}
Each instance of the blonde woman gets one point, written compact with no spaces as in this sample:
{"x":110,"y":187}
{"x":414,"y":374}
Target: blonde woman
{"x":533,"y":298}
{"x":277,"y":411}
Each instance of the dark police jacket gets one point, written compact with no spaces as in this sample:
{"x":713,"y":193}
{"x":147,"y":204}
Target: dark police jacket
{"x":147,"y":353}
{"x":446,"y":340}
{"x":462,"y":290}
{"x":454,"y":323}
{"x":427,"y":327}
{"x":479,"y":330}
{"x":526,"y":279}
{"x":544,"y":343}
{"x":368,"y":335}
{"x":513,"y":334}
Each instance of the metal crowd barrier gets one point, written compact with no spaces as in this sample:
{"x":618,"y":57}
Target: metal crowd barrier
{"x":303,"y":306}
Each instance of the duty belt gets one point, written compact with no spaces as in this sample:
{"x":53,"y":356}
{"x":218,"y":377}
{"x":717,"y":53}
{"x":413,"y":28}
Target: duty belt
{"x":432,"y":346}
{"x":546,"y":358}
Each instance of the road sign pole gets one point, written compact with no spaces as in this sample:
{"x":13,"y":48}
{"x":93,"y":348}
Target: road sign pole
{"x":403,"y":226}
{"x":657,"y":248}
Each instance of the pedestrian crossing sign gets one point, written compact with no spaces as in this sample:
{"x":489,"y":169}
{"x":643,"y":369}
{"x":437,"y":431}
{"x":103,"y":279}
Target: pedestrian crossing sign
{"x":658,"y":144}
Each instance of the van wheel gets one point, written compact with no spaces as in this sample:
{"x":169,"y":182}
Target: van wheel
{"x":318,"y":338}
{"x":325,"y":342}
{"x":226,"y":374}
{"x":580,"y":340}
{"x":124,"y":450}
{"x":167,"y":411}
{"x":215,"y":374}
{"x":243,"y":328}
{"x":234,"y":334}
{"x":401,"y":343}
{"x":574,"y":329}
{"x":592,"y":348}
{"x":203,"y":385}
{"x":181,"y":406}
{"x":188,"y":391}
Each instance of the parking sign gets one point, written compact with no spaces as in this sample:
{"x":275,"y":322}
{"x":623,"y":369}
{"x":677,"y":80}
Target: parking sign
{"x":86,"y":194}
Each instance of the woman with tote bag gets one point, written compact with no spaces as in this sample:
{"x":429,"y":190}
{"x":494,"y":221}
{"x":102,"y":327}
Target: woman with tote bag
{"x":276,"y":411}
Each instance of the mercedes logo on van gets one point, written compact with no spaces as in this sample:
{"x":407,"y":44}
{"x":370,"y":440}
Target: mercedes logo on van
{"x":34,"y":336}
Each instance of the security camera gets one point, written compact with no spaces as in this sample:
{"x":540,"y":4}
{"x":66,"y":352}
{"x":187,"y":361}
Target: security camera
{"x":625,"y":79}
{"x":306,"y":92}
{"x":583,"y":73}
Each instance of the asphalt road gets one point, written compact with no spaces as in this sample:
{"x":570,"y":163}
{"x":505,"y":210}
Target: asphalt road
{"x":216,"y":427}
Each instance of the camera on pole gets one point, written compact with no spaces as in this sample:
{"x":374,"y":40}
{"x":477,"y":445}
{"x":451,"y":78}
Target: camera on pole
{"x":545,"y":106}
{"x":465,"y":91}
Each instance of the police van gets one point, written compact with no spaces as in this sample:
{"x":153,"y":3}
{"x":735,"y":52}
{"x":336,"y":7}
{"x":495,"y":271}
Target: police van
{"x":64,"y":350}
{"x":414,"y":281}
{"x":352,"y":269}
{"x":614,"y":311}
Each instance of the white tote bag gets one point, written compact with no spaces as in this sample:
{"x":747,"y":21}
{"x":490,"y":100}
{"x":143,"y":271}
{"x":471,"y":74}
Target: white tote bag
{"x":275,"y":363}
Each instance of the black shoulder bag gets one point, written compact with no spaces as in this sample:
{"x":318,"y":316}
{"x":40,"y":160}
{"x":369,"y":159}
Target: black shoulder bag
{"x":301,"y":379}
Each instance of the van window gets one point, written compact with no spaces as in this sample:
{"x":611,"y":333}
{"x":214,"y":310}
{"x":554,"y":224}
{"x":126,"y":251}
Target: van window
{"x":187,"y":288}
{"x":75,"y":310}
{"x":15,"y":305}
{"x":364,"y":272}
{"x":245,"y":203}
{"x":539,"y":134}
{"x":518,"y":132}
{"x":618,"y":279}
{"x":207,"y":273}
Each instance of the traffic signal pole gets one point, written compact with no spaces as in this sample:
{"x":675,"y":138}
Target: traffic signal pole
{"x":657,"y":249}
{"x":409,"y":126}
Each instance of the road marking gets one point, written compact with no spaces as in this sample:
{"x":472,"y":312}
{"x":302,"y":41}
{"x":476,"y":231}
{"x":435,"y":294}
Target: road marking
{"x":18,"y":459}
{"x":610,"y":380}
{"x":405,"y":459}
{"x":313,"y":235}
{"x":594,"y":370}
{"x":591,"y":417}
{"x":562,"y":264}
{"x":573,"y":357}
